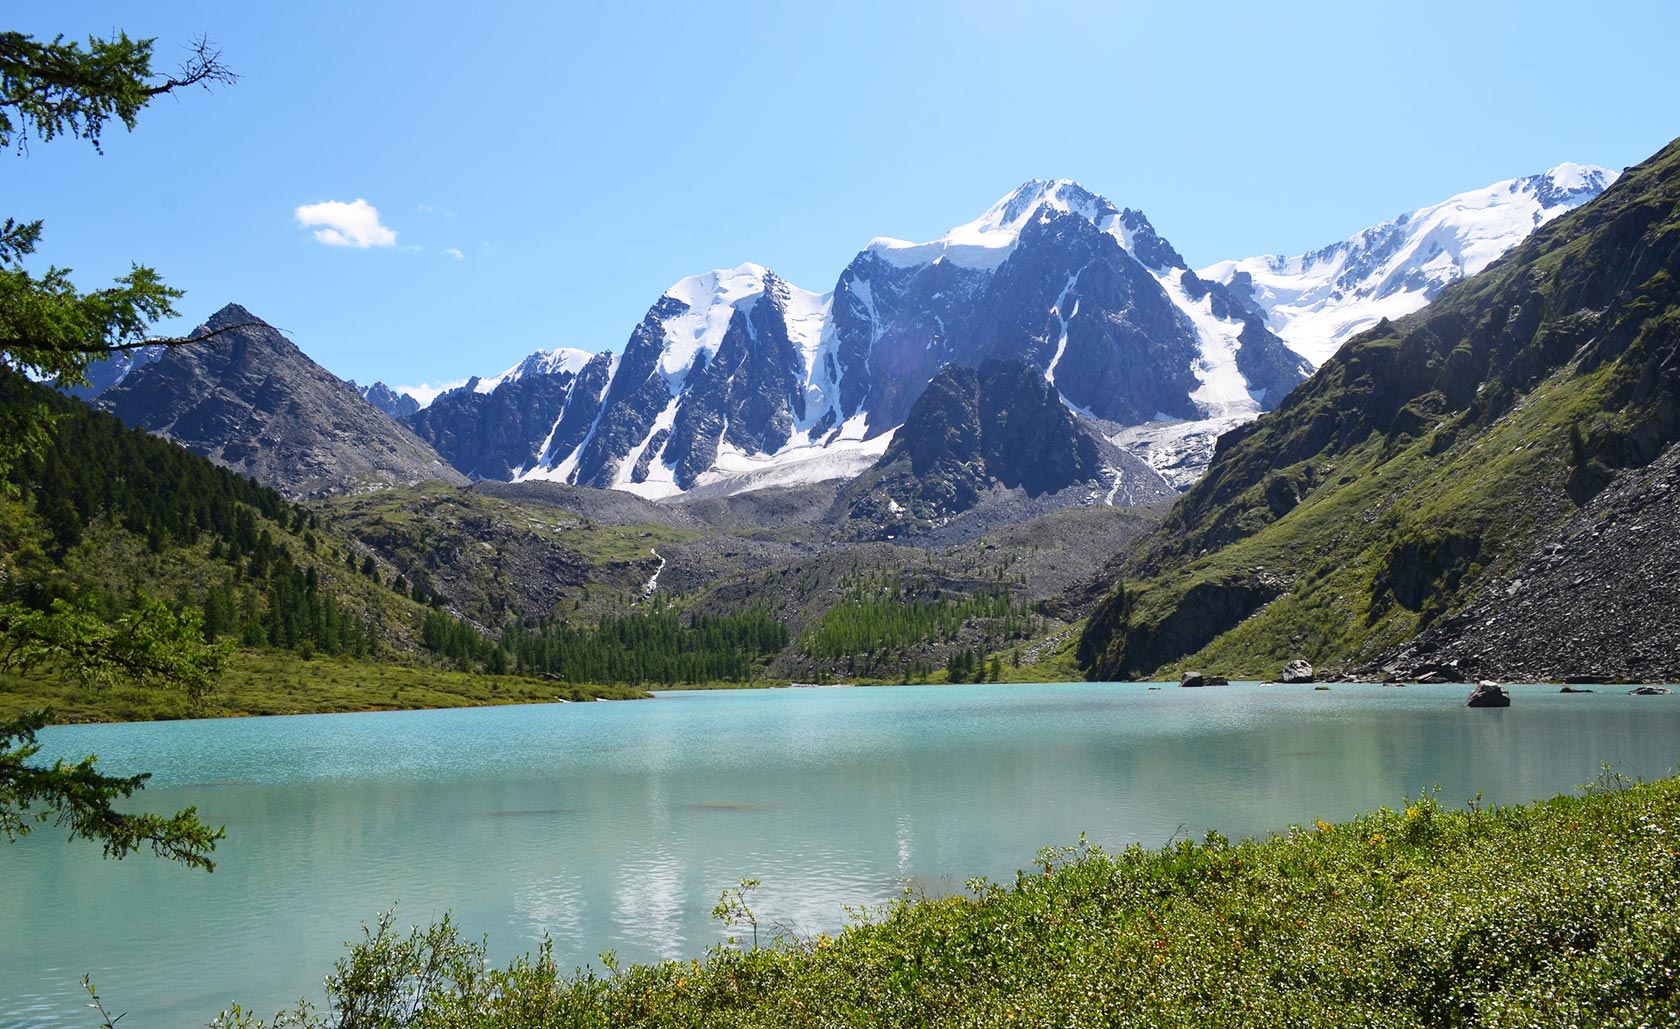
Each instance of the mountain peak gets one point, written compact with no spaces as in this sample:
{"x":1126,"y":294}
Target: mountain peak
{"x":1062,"y":196}
{"x":703,"y":289}
{"x":558,"y":361}
{"x":986,"y":241}
{"x":1569,"y":185}
{"x":232,"y":315}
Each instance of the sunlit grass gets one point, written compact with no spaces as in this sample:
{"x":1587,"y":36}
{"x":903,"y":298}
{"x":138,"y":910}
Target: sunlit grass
{"x":280,"y":683}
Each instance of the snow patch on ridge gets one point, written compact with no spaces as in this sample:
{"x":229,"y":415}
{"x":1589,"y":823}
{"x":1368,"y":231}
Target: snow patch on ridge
{"x":1223,"y":391}
{"x":794,"y":465}
{"x":712,"y":300}
{"x":661,"y":478}
{"x":1065,"y":318}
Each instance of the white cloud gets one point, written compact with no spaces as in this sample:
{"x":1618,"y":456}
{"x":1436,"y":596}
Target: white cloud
{"x":456,"y":254}
{"x":355,"y":224}
{"x":425,"y":393}
{"x":436,"y":209}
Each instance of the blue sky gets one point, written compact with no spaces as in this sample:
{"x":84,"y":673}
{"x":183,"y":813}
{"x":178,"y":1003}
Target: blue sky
{"x":542,"y":172}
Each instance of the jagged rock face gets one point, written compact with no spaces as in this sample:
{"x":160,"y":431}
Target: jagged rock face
{"x":634,"y":400}
{"x":251,"y":401}
{"x":745,"y":395}
{"x":975,"y":430}
{"x":494,"y":435}
{"x":1111,"y":340}
{"x":895,"y":328}
{"x":722,"y":364}
{"x":397,"y":405}
{"x":583,"y":404}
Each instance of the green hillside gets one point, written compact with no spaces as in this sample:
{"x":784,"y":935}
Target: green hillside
{"x":109,"y":519}
{"x":1427,"y":456}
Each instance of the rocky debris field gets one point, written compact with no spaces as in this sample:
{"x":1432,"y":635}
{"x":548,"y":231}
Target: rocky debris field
{"x":1599,"y":599}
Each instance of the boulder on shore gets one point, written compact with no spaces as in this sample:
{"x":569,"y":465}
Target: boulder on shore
{"x":1445,"y":672}
{"x":1488,"y":694}
{"x":1296,"y":671}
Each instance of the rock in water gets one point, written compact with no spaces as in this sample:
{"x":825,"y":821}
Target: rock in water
{"x":1573,"y":689}
{"x":1488,"y":694}
{"x":1297,"y":671}
{"x":1650,"y":691}
{"x":1192,"y":679}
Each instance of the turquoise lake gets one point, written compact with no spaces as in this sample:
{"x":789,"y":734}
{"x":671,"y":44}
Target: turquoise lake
{"x":616,"y":825}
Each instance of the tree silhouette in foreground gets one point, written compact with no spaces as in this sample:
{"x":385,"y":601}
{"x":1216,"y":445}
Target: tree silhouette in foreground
{"x":51,"y":330}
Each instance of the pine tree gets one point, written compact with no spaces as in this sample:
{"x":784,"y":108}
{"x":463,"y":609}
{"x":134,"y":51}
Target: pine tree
{"x":50,"y":330}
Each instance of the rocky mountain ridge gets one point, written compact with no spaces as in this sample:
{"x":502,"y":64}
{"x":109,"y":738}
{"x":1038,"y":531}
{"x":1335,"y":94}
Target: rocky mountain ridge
{"x":250,"y":400}
{"x":1320,"y":300}
{"x":397,"y":405}
{"x":740,"y":375}
{"x":991,"y":435}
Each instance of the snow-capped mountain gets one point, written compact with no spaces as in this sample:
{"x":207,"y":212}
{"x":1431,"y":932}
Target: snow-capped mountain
{"x":1058,"y":277}
{"x":499,"y":427}
{"x":1318,"y":301}
{"x":737,"y":378}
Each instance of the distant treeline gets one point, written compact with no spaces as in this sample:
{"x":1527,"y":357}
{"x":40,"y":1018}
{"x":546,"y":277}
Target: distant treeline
{"x":884,"y":618}
{"x":635,"y":649}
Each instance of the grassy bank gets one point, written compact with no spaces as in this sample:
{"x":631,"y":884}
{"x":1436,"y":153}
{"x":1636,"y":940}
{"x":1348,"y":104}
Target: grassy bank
{"x":1560,"y":913}
{"x":282,"y":683}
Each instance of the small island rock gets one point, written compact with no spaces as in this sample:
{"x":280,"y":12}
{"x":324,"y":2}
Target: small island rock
{"x":1650,"y":691}
{"x":1296,"y":671}
{"x":1488,"y":694}
{"x":1192,"y":679}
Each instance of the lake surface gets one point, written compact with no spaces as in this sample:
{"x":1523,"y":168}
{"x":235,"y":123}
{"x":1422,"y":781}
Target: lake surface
{"x":616,"y":825}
